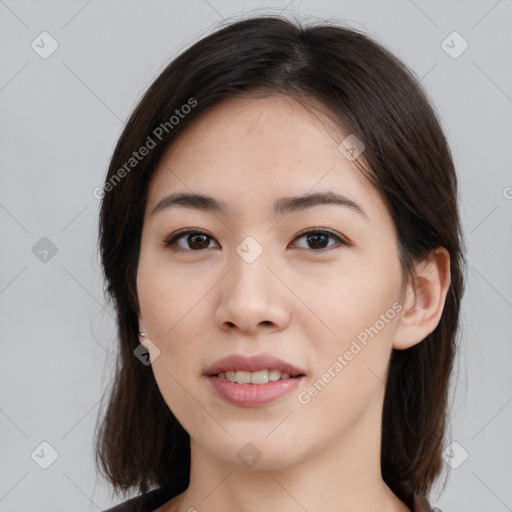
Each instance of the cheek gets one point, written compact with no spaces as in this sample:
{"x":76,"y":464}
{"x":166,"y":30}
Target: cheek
{"x":350,"y":368}
{"x":168,"y":298}
{"x":172,"y":306}
{"x":175,"y":326}
{"x":180,"y":392}
{"x":359,"y":309}
{"x":349,"y":302}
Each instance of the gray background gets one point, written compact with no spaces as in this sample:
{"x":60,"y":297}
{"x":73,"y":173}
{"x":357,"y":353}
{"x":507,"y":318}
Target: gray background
{"x":60,"y":118}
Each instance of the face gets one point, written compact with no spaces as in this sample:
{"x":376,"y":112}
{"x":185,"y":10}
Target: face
{"x":248,"y":280}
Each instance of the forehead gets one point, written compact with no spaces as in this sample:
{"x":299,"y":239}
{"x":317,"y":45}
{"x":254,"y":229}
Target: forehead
{"x":249,"y":151}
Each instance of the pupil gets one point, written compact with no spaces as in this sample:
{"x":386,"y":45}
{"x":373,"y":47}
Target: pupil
{"x":194,"y":237}
{"x":314,"y":239}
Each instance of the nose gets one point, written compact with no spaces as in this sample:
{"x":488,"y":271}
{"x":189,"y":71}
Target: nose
{"x":253,"y":297}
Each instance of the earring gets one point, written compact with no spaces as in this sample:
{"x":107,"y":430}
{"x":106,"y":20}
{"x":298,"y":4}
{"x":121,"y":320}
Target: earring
{"x":142,"y":334}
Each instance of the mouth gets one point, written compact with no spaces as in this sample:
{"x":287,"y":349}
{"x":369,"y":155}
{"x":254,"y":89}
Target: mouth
{"x":253,"y":369}
{"x":243,"y":393}
{"x":257,"y":378}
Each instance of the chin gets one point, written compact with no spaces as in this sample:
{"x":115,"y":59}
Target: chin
{"x":249,"y":452}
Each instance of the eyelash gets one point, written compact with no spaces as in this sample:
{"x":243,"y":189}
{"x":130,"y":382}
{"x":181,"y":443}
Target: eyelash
{"x":170,"y":242}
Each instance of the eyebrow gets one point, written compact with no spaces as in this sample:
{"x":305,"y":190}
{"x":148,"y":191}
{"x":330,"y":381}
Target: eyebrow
{"x":281,"y":206}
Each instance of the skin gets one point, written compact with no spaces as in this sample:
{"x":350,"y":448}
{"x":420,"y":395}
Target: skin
{"x":206,"y":302}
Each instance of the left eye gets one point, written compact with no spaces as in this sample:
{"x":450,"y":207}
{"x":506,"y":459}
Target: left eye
{"x":197,"y":240}
{"x":316,"y":238}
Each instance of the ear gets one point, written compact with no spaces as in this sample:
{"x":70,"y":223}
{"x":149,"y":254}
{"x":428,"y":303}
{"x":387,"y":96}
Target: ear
{"x":423,"y":300}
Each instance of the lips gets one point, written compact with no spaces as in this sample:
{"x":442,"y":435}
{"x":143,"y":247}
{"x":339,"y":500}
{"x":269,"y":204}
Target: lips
{"x":254,"y":363}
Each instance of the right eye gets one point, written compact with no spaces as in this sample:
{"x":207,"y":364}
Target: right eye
{"x":194,"y":239}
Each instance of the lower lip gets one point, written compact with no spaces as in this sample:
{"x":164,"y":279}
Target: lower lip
{"x":248,"y":395}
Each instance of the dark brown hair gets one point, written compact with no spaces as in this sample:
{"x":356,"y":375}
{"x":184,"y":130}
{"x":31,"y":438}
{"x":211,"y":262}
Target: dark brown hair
{"x":369,"y":93}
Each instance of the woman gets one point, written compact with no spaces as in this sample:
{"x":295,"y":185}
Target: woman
{"x":280,"y":238}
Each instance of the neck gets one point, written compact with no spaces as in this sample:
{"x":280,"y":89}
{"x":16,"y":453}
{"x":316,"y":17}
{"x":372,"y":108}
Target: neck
{"x":342,"y":475}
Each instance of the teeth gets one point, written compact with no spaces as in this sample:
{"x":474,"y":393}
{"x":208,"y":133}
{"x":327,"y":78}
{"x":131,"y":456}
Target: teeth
{"x":243,"y":377}
{"x":259,"y":377}
{"x":276,"y":375}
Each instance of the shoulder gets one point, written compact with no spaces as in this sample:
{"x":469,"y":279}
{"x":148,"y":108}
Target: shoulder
{"x":150,"y":501}
{"x":421,"y":504}
{"x":146,"y":502}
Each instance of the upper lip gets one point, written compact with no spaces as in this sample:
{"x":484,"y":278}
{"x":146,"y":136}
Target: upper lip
{"x":240,"y":362}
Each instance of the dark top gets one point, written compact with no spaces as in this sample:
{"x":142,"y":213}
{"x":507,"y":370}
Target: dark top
{"x":150,"y":501}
